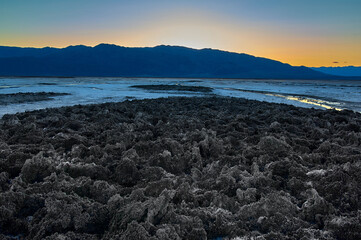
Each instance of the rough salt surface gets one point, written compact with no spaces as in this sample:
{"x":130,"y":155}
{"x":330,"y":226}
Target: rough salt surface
{"x":181,"y":168}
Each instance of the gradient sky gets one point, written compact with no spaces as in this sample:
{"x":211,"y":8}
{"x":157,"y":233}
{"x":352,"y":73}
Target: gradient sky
{"x":308,"y":32}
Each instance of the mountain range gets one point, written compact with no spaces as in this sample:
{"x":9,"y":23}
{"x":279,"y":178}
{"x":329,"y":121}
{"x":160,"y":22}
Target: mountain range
{"x":106,"y":60}
{"x":351,"y":71}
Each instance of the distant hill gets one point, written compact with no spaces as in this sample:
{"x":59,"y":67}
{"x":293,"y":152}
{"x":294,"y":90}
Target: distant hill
{"x":350,"y":71}
{"x":161,"y":61}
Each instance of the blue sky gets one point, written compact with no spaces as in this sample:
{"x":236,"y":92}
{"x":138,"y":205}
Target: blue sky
{"x":311,"y":33}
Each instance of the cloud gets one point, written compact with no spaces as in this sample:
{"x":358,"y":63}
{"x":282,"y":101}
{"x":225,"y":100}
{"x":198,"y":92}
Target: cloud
{"x":335,"y":62}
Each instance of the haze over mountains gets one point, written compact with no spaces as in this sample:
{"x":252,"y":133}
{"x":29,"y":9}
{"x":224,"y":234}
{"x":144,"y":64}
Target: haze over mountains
{"x":161,"y":61}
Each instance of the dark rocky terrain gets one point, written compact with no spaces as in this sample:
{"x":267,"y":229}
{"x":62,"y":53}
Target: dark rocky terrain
{"x":181,"y":168}
{"x":28,"y":97}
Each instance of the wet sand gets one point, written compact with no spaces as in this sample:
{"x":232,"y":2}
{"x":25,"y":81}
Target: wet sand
{"x":181,"y":168}
{"x":181,"y":88}
{"x":12,"y":98}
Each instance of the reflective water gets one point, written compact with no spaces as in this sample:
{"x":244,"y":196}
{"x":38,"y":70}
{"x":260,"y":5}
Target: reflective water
{"x":304,"y":93}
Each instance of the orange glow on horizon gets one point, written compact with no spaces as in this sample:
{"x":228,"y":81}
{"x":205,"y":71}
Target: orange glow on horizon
{"x":205,"y":30}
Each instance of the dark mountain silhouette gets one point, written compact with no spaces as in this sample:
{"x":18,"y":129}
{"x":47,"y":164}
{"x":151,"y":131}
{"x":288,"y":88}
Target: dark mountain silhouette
{"x":341,"y":71}
{"x":161,"y":61}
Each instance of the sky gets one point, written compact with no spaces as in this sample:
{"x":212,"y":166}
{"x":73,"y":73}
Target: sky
{"x":309,"y":32}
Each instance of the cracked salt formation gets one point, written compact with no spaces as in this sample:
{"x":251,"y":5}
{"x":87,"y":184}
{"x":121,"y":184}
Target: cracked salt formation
{"x":181,"y":168}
